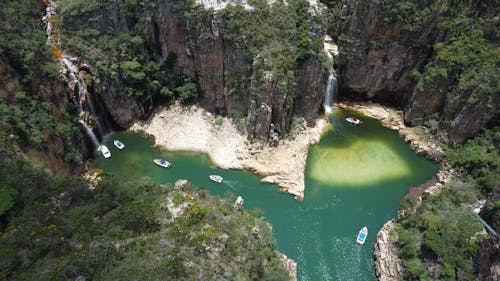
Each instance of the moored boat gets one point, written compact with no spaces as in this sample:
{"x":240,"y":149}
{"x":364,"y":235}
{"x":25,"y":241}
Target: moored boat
{"x":118,"y":144}
{"x":105,"y":151}
{"x":216,"y":178}
{"x":353,"y":120}
{"x":362,"y":235}
{"x":162,"y":162}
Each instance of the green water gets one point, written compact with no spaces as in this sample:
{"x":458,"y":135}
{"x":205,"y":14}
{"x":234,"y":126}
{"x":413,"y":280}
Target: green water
{"x":355,"y":177}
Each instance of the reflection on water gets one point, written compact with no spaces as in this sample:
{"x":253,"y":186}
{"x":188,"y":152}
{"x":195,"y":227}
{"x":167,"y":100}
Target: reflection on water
{"x":355,"y":177}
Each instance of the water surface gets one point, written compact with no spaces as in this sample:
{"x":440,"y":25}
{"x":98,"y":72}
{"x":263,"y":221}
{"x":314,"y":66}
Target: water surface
{"x":355,"y":177}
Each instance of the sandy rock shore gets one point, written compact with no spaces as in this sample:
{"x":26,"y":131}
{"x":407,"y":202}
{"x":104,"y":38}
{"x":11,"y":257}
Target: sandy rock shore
{"x":179,"y":128}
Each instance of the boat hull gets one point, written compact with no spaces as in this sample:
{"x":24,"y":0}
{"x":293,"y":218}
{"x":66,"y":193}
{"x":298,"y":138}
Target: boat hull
{"x":363,"y":233}
{"x":162,"y":163}
{"x":216,"y":178}
{"x":105,"y":151}
{"x":118,"y":144}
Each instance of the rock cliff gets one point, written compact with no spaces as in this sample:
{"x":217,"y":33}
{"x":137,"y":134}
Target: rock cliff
{"x":240,"y":69}
{"x":406,"y":54}
{"x":232,"y":80}
{"x":387,"y":263}
{"x":59,"y":150}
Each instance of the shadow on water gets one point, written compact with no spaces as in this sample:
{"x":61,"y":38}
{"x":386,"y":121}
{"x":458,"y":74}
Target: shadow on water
{"x":355,"y":177}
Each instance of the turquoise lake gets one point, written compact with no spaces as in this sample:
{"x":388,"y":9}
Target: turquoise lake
{"x":355,"y":176}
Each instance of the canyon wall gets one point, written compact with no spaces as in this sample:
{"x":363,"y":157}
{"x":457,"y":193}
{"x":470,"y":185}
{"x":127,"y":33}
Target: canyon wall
{"x":390,"y":52}
{"x":235,"y":75}
{"x":418,"y":56}
{"x":230,"y":77}
{"x":36,"y":119}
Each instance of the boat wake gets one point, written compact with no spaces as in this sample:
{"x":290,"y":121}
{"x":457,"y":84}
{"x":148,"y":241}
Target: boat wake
{"x":232,"y":184}
{"x":348,"y":268}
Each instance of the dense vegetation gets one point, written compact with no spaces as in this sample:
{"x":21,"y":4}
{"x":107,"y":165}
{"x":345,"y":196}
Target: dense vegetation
{"x":468,"y":55}
{"x":56,"y":228}
{"x":30,"y":74}
{"x":439,"y":239}
{"x":270,"y":40}
{"x":112,"y":37}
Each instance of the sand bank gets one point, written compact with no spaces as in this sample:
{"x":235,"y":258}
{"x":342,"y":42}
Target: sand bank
{"x":179,"y":128}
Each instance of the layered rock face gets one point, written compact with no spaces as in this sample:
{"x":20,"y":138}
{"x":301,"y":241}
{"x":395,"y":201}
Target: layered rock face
{"x":229,"y":78}
{"x":106,"y":91}
{"x":54,"y":145}
{"x":382,"y":52}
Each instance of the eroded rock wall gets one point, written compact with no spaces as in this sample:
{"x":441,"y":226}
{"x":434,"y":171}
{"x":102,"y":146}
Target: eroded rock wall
{"x":55,"y":146}
{"x":226,"y":73}
{"x":386,"y":45}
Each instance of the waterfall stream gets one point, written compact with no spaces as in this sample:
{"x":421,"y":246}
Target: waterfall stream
{"x":70,"y":70}
{"x":331,"y":50}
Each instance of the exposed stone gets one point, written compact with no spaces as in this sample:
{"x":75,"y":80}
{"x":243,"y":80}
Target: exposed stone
{"x":179,"y":184}
{"x":191,"y":129}
{"x":238,"y":204}
{"x":488,"y":261}
{"x":220,"y":68}
{"x":289,"y":264}
{"x":388,"y":266}
{"x":377,"y":59}
{"x":259,"y":121}
{"x":393,"y":119}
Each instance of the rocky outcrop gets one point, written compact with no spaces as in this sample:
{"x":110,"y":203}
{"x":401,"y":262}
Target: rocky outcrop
{"x":227,"y":74}
{"x":55,"y":146}
{"x":376,"y":57}
{"x":123,"y":109}
{"x":310,"y":89}
{"x":105,"y":93}
{"x":422,"y":143}
{"x":289,"y":264}
{"x":387,"y":264}
{"x":487,"y":263}
{"x":384,"y":48}
{"x":259,"y":120}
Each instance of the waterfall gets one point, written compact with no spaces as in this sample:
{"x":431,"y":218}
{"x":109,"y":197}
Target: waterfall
{"x":70,"y":72}
{"x":90,"y":133}
{"x":331,"y":87}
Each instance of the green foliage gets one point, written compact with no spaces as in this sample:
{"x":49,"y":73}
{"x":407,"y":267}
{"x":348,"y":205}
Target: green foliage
{"x":479,"y":158}
{"x":58,"y":228}
{"x":22,"y":40}
{"x":278,"y":34}
{"x":118,"y":52}
{"x":7,"y":196}
{"x":186,"y":92}
{"x":26,"y":118}
{"x":469,"y":57}
{"x":132,"y":69}
{"x":441,"y":231}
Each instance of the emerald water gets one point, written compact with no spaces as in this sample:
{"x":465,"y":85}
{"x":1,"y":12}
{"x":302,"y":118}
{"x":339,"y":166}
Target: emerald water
{"x":355,"y":177}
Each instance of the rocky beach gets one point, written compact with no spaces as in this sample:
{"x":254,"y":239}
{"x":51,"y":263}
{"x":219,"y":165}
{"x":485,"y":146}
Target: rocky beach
{"x":178,"y":128}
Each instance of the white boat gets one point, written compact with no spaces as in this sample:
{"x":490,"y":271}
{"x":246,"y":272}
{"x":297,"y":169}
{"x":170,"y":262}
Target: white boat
{"x":105,"y":151}
{"x":362,"y":235}
{"x":216,"y":178}
{"x":162,"y":162}
{"x":353,"y":120}
{"x":118,"y":144}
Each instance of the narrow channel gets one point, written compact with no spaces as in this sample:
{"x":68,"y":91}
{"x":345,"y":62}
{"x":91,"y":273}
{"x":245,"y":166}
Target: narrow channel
{"x":355,"y":176}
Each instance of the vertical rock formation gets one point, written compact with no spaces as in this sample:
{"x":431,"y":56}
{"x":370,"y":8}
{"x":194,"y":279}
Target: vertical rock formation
{"x":387,"y":263}
{"x":387,"y":46}
{"x":231,"y":81}
{"x":55,"y":147}
{"x":105,"y":94}
{"x":488,"y":260}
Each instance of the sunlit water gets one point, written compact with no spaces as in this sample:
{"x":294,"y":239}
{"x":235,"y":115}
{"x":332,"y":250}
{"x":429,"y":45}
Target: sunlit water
{"x":355,"y":177}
